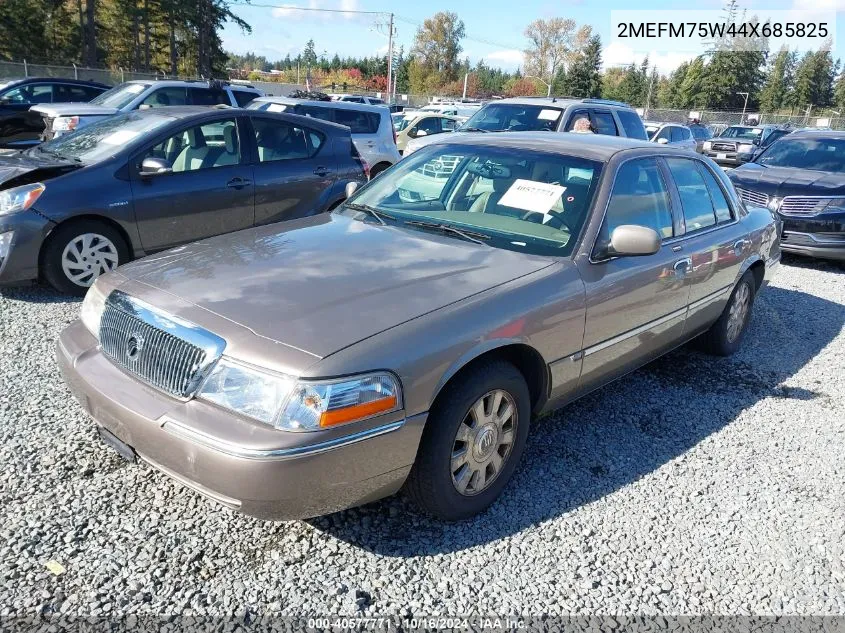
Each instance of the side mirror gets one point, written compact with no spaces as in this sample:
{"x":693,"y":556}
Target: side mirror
{"x":421,"y":133}
{"x":152,"y":166}
{"x":632,"y":240}
{"x":351,"y":187}
{"x":663,"y":141}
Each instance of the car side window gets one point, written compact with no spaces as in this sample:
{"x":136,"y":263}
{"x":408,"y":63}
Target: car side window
{"x":717,"y":196}
{"x":213,"y":144}
{"x":358,"y":121}
{"x":448,"y":125}
{"x":243,"y":97}
{"x":430,"y":125}
{"x":280,"y":140}
{"x":208,"y":96}
{"x":91,"y":92}
{"x":577,"y":114}
{"x":632,"y":124}
{"x":603,"y":123}
{"x":166,"y":96}
{"x":67,"y":92}
{"x":639,"y":197}
{"x":30,"y":93}
{"x":695,"y":198}
{"x":317,"y":112}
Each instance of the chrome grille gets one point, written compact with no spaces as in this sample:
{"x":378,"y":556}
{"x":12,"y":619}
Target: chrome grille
{"x":802,"y":205}
{"x":754,"y":198}
{"x":163,"y":351}
{"x":717,"y":146}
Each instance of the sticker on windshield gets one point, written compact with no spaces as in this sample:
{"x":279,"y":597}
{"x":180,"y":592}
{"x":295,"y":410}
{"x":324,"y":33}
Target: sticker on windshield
{"x":531,"y":195}
{"x":548,"y":115}
{"x":276,"y":107}
{"x":119,"y":138}
{"x":136,"y":88}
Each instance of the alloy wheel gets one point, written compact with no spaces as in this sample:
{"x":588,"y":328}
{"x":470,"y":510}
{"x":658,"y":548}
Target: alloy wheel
{"x":88,"y":256}
{"x":738,"y":312}
{"x":483,"y":442}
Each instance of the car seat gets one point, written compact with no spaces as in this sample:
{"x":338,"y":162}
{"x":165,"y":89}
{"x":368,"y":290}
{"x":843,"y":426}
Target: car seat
{"x":194,"y":155}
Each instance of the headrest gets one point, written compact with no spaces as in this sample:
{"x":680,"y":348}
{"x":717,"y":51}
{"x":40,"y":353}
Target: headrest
{"x":196,"y":138}
{"x":230,"y":139}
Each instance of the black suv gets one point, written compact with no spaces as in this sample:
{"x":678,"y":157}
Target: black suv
{"x":801,"y":177}
{"x":19,"y":131}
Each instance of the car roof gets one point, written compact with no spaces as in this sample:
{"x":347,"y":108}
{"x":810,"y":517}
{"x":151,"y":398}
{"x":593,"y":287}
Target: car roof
{"x":819,"y":133}
{"x":599,"y":147}
{"x":63,"y":80}
{"x":343,"y":105}
{"x":562,"y":102}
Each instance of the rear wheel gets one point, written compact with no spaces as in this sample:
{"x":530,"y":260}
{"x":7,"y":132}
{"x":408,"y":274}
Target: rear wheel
{"x":375,"y":171}
{"x":473,"y":441}
{"x":76,"y":254}
{"x":725,"y":336}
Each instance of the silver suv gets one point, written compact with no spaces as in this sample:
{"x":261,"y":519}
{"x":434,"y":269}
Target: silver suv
{"x":60,"y":118}
{"x":371,"y":125}
{"x":548,"y":114}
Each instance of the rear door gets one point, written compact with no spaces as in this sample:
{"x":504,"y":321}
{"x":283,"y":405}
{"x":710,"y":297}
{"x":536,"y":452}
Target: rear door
{"x":293,"y":166}
{"x":209,"y":191}
{"x":712,"y":239}
{"x":603,"y":122}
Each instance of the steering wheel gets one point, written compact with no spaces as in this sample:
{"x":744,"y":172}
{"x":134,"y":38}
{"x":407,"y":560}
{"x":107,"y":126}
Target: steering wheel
{"x":556,"y":216}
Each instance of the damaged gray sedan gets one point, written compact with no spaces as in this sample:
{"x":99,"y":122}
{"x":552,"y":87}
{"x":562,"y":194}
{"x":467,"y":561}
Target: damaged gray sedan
{"x":409,"y":337}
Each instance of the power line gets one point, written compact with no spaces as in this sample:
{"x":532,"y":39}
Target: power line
{"x":288,"y":7}
{"x":477,"y":40}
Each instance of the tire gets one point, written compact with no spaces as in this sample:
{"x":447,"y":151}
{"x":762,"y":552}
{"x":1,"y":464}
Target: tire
{"x":89,"y":243}
{"x":725,"y":336}
{"x":375,"y":171}
{"x":433,"y":484}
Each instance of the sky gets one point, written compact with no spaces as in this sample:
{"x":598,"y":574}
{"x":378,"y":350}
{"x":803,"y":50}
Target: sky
{"x":494,"y":28}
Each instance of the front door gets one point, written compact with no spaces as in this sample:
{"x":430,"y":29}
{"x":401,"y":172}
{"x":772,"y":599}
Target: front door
{"x":294,"y":166}
{"x":636,"y":306}
{"x":713,"y":240}
{"x":209,"y":190}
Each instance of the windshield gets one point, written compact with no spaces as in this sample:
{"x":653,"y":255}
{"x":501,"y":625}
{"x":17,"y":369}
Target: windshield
{"x":119,"y":96}
{"x":267,"y":106}
{"x":511,"y":117}
{"x":748,"y":133}
{"x":815,"y":154}
{"x":521,"y":200}
{"x":104,"y":138}
{"x":651,"y":130}
{"x":401,"y":123}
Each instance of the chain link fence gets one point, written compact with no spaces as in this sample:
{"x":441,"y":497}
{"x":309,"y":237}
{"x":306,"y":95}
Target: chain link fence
{"x":17,"y":70}
{"x":715,"y":117}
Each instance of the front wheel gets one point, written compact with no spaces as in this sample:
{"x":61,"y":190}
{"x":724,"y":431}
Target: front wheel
{"x":725,"y":336}
{"x":76,"y":254}
{"x":473,"y":441}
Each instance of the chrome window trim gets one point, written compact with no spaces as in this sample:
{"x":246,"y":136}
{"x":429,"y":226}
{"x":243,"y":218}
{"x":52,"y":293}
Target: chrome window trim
{"x":180,"y":430}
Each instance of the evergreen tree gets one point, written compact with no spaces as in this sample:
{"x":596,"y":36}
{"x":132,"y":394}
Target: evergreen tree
{"x":583,"y":79}
{"x":777,"y":91}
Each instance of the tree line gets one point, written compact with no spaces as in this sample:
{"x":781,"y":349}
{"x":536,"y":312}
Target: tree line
{"x":176,"y":37}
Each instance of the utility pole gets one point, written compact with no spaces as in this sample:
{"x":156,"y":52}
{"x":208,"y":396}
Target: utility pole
{"x":650,"y":86}
{"x":744,"y":105}
{"x":390,"y":59}
{"x":466,"y":76}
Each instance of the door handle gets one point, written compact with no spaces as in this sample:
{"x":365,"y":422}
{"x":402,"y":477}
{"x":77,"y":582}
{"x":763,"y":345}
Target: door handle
{"x":682,"y":266}
{"x":238,"y":183}
{"x":321,"y":171}
{"x":741,"y":244}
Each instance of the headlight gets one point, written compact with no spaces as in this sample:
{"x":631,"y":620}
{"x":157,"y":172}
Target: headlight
{"x":707,"y":145}
{"x":65,"y":123}
{"x":292,"y":405}
{"x":92,"y":309}
{"x":745,"y":148}
{"x":20,"y":198}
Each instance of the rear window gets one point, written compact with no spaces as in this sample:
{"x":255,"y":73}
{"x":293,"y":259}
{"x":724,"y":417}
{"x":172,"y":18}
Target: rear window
{"x":632,"y":124}
{"x":512,"y":117}
{"x":242,"y":97}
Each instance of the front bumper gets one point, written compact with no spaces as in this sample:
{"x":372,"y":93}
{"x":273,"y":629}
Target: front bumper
{"x":727,"y":158}
{"x":188,"y":442}
{"x":822,"y":236}
{"x":20,"y":263}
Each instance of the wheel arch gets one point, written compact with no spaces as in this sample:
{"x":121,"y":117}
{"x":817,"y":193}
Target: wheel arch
{"x":80,"y":218}
{"x":523,"y":356}
{"x":756,"y":266}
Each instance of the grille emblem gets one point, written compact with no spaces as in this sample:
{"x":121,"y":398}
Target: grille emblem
{"x":134,"y":346}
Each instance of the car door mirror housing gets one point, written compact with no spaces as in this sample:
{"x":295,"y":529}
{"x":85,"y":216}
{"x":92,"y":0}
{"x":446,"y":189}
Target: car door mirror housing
{"x":632,"y":240}
{"x":152,"y":166}
{"x":422,"y":133}
{"x":351,"y":187}
{"x":663,"y":141}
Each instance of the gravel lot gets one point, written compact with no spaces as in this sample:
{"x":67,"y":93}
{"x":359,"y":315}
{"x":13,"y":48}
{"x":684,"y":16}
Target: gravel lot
{"x":693,"y":486}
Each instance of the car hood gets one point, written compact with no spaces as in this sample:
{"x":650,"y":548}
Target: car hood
{"x":54,"y":110}
{"x":787,"y":181}
{"x":23,"y":168}
{"x":322,"y":283}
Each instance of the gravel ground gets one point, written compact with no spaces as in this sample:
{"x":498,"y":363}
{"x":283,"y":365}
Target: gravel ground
{"x":695,"y":486}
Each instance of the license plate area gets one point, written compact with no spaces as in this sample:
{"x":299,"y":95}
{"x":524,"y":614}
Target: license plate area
{"x":721,"y":156}
{"x":123,"y":449}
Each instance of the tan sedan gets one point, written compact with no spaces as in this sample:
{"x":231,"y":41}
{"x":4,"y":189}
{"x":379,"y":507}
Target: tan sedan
{"x":419,"y":123}
{"x":408,"y":338}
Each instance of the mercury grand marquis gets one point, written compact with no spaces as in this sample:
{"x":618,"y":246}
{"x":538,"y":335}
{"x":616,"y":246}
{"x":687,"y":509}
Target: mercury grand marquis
{"x":408,"y":338}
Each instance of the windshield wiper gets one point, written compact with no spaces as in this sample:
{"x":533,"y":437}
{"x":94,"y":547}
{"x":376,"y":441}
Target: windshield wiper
{"x":472,"y":129}
{"x":57,"y":155}
{"x":470,"y":236}
{"x":378,"y":215}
